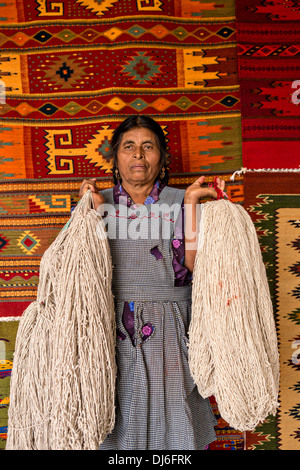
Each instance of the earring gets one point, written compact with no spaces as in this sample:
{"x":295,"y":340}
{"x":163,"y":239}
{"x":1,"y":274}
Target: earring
{"x":117,"y":174}
{"x":162,"y":173}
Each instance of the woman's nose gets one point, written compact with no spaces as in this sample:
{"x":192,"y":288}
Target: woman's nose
{"x":139,"y":153}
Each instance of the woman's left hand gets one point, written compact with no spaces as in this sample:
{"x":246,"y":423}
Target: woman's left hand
{"x":195,"y":191}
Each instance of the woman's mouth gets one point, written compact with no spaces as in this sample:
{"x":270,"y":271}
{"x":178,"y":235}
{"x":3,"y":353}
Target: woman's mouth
{"x":136,"y":167}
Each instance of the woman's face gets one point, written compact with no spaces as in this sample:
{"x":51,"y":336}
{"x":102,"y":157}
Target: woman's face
{"x":138,"y":157}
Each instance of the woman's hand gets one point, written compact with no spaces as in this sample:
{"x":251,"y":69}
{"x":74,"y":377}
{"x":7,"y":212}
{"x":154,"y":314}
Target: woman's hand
{"x":92,"y":185}
{"x":195,"y":191}
{"x":193,"y":194}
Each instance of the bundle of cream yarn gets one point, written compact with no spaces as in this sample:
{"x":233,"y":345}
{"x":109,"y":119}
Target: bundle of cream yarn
{"x":233,"y":351}
{"x":63,"y":378}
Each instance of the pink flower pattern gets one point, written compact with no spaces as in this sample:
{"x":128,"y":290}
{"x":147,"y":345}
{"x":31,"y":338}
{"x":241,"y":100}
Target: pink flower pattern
{"x":176,"y":243}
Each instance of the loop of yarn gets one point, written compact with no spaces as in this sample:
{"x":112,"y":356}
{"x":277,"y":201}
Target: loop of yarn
{"x":62,"y":388}
{"x":233,"y":351}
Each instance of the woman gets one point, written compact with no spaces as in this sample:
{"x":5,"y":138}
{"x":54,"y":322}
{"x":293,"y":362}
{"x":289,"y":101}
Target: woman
{"x":157,"y":403}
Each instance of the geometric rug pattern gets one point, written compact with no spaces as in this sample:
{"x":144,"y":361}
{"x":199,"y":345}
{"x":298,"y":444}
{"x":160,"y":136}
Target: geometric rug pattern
{"x":276,"y":215}
{"x":268,"y":45}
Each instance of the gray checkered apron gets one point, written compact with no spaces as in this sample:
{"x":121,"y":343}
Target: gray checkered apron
{"x":158,"y":406}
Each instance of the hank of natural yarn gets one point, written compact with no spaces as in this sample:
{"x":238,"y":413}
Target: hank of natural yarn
{"x":233,"y":351}
{"x":63,"y":379}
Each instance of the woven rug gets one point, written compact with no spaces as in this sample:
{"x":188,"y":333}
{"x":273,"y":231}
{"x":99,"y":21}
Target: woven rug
{"x":71,"y":78}
{"x":273,"y":202}
{"x":71,"y":71}
{"x":268,"y":36}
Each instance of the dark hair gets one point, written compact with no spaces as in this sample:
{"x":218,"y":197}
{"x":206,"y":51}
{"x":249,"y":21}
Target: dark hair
{"x":140,"y":121}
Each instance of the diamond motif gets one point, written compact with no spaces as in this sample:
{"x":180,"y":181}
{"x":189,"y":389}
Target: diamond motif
{"x":42,"y":36}
{"x":72,"y":108}
{"x":116,"y":104}
{"x":161,"y":104}
{"x":229,"y":101}
{"x":24,"y":109}
{"x":225,"y":32}
{"x":159,"y":31}
{"x":136,"y":31}
{"x":89,"y":35}
{"x":266,"y":50}
{"x":139,"y":104}
{"x":206,"y":102}
{"x":292,"y":50}
{"x":66,"y":35}
{"x":141,"y":68}
{"x":48,"y":109}
{"x":28,"y":243}
{"x":113,"y":33}
{"x":20,"y":38}
{"x":202,"y":33}
{"x":180,"y":33}
{"x":94,"y":106}
{"x":183,"y":103}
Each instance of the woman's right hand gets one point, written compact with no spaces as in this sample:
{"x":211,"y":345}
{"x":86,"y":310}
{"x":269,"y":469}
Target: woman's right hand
{"x":91,"y":184}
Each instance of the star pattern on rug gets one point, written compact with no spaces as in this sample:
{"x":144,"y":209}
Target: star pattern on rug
{"x":141,"y":68}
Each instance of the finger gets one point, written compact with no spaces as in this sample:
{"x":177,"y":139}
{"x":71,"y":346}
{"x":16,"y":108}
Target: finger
{"x":199,"y":180}
{"x":91,"y":184}
{"x":91,"y":187}
{"x":220,"y":183}
{"x":86,"y":185}
{"x":90,"y":180}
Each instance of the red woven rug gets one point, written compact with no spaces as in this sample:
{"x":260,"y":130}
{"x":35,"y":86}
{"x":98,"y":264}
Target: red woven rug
{"x":268,"y":36}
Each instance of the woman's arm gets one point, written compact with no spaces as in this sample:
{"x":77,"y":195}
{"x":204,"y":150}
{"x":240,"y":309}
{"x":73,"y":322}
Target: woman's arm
{"x":192,"y":197}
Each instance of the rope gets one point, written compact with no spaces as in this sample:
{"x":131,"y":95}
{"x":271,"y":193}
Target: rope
{"x":63,"y":377}
{"x":244,"y":170}
{"x":233,"y":352}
